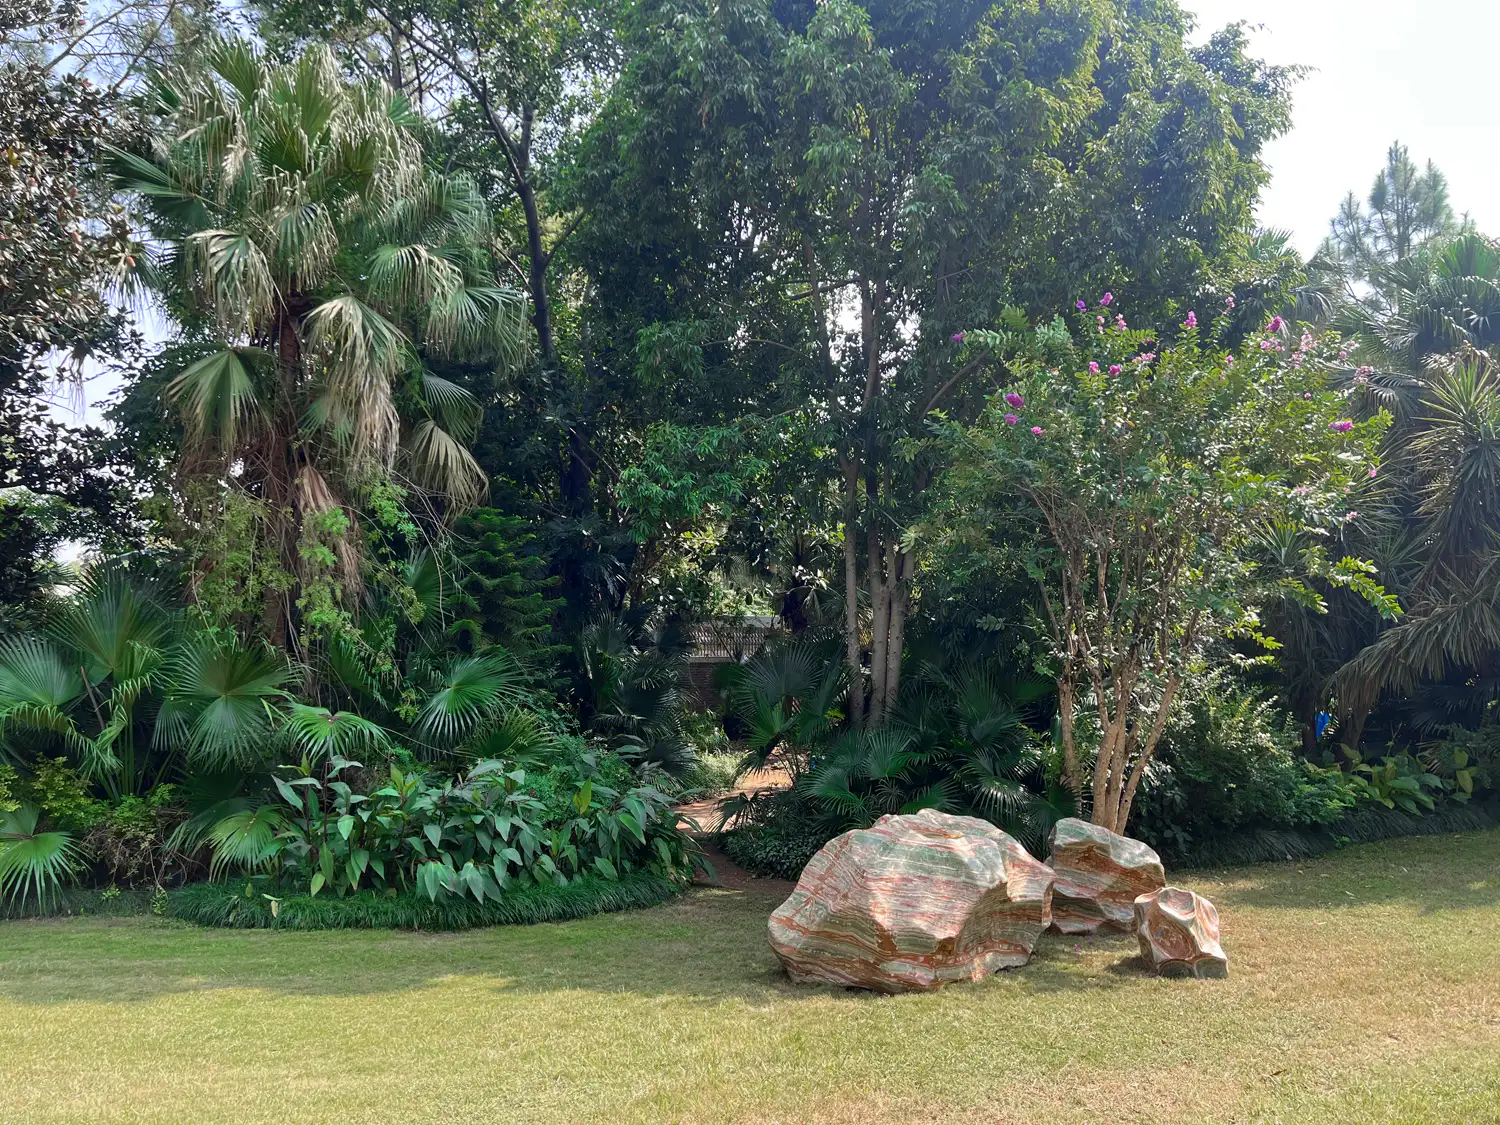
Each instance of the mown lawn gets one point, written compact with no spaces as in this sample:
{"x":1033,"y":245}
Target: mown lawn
{"x":1363,"y":988}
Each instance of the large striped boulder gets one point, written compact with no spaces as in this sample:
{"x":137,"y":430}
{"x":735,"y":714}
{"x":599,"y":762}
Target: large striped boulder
{"x":1178,"y":932}
{"x":1099,"y":876}
{"x":912,"y":904}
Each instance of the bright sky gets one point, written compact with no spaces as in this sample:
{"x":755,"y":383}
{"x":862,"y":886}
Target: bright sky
{"x":1418,"y":71}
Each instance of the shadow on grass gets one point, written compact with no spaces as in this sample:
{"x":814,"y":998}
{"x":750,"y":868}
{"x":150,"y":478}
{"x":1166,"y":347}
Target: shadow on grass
{"x":709,"y":946}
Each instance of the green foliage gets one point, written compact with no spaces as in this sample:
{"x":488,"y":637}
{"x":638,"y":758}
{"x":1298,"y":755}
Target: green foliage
{"x":958,"y":742}
{"x":330,"y":262}
{"x":229,"y":904}
{"x":505,"y":592}
{"x":1399,"y":781}
{"x":1467,"y":760}
{"x":630,"y":689}
{"x":777,"y":836}
{"x":136,"y":842}
{"x":475,"y":835}
{"x":1407,"y":209}
{"x":62,"y":796}
{"x":33,"y":863}
{"x":1133,"y":485}
{"x":1228,"y":767}
{"x":1363,"y":825}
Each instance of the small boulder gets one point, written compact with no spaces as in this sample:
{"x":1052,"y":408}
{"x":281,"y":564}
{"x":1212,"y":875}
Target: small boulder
{"x":913,"y":903}
{"x":1099,"y":875}
{"x":1179,"y":934}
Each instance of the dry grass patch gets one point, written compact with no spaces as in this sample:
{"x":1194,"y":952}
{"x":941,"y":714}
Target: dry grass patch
{"x":1364,"y":987}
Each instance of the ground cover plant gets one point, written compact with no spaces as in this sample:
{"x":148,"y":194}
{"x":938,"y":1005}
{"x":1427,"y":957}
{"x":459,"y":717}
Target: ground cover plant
{"x":1362,"y":989}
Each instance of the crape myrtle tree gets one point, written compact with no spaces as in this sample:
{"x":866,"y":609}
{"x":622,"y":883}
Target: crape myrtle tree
{"x":1135,"y":485}
{"x":296,"y":230}
{"x":789,"y":209}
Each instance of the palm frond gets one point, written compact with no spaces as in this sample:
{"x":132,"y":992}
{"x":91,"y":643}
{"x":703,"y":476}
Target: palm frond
{"x":33,"y":864}
{"x":471,"y":689}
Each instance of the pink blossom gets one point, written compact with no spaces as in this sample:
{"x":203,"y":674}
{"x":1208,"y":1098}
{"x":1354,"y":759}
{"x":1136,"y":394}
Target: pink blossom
{"x":1342,"y":426}
{"x":958,"y":337}
{"x":1229,"y":301}
{"x":1351,"y":516}
{"x":1107,"y":300}
{"x":1275,"y":325}
{"x":1115,"y":369}
{"x":1343,"y":355}
{"x":1036,"y":429}
{"x":1013,"y":399}
{"x":1373,"y":473}
{"x":1082,"y":305}
{"x":1229,"y":361}
{"x":1145,"y":358}
{"x":1307,"y":394}
{"x":1191,"y":321}
{"x":1307,"y":341}
{"x":1100,"y":319}
{"x":1120,"y":322}
{"x":1302,"y":490}
{"x":1093,"y":368}
{"x":1011,"y":419}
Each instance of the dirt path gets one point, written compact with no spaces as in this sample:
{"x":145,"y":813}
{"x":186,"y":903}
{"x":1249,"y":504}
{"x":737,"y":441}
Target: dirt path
{"x":732,"y":877}
{"x":705,"y":814}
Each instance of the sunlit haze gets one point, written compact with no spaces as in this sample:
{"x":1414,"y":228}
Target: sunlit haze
{"x":1421,"y":73}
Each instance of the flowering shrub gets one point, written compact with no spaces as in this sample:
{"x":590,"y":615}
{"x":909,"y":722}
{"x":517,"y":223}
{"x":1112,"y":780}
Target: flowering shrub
{"x":1133,"y":486}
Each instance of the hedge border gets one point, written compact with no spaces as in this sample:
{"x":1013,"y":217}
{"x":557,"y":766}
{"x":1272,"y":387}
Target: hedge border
{"x":226,"y":905}
{"x":1367,"y":825}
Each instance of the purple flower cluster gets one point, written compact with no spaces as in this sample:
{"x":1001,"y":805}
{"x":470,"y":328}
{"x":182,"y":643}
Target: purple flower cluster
{"x":1342,"y":426}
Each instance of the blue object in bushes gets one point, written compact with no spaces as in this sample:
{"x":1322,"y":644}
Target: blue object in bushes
{"x":1324,"y":718}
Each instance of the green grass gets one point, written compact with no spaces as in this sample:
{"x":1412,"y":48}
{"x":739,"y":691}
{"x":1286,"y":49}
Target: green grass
{"x":1364,"y":987}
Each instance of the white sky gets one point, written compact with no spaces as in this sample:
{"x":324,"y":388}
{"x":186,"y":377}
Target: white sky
{"x":1418,"y":71}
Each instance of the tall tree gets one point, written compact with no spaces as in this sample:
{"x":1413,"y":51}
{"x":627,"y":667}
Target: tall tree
{"x":511,"y":82}
{"x":1407,"y":208}
{"x":318,"y":259}
{"x":61,"y":245}
{"x":809,"y":201}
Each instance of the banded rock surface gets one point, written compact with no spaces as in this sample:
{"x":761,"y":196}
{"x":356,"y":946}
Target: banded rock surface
{"x":1099,"y":875}
{"x":913,"y":903}
{"x":1179,"y":934}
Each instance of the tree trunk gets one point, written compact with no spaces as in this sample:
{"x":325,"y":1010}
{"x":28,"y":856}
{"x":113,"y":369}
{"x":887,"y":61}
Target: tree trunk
{"x":851,"y":596}
{"x":900,"y":603}
{"x":1067,"y":695}
{"x":880,"y":629}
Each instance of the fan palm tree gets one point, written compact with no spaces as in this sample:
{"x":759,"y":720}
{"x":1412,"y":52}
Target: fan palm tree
{"x":120,"y":685}
{"x":293,"y":222}
{"x":1423,"y":323}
